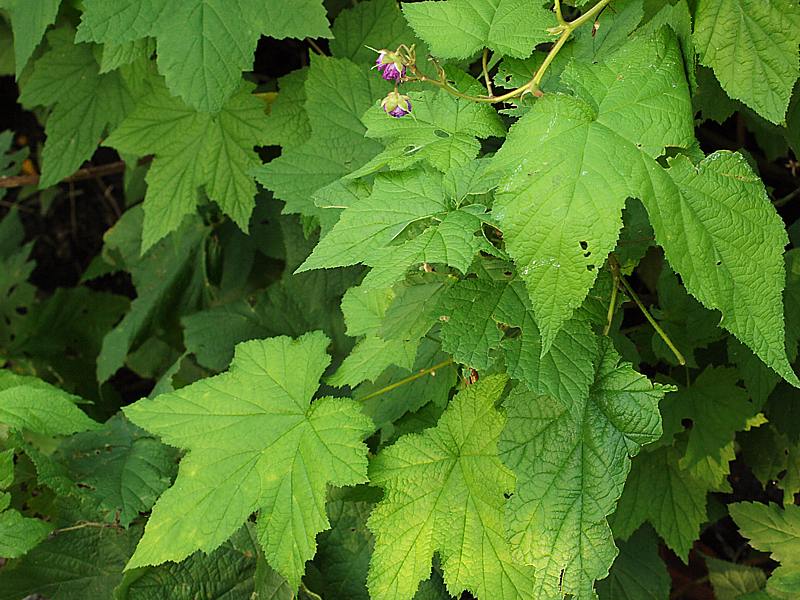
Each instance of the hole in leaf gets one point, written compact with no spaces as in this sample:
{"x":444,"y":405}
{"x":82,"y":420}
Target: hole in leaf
{"x":441,"y":133}
{"x":687,"y":423}
{"x":590,"y":267}
{"x":584,"y":245}
{"x":588,"y":253}
{"x":719,"y":262}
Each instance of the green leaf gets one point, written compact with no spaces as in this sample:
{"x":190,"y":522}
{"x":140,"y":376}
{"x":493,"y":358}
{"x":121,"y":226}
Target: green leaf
{"x":30,"y":404}
{"x":225,"y":573}
{"x":461,"y":28}
{"x":571,"y":456}
{"x":441,"y":130}
{"x":396,"y":202}
{"x":193,"y":150}
{"x":777,"y":531}
{"x":752,"y":47}
{"x":287,"y":124}
{"x":599,"y":147}
{"x":716,"y":408}
{"x":85,"y":103}
{"x":19,"y":535}
{"x":372,"y":356}
{"x":371,"y":230}
{"x":256,"y":444}
{"x":165,"y":279}
{"x":670,"y":498}
{"x":730,"y":251}
{"x":731,"y":581}
{"x":63,"y":335}
{"x":337,"y":93}
{"x":773,"y":458}
{"x":431,"y":390}
{"x":638,"y":573}
{"x":475,"y":313}
{"x":29,"y":20}
{"x":370,"y":24}
{"x":86,"y":563}
{"x":124,"y":469}
{"x":119,"y":55}
{"x":203,"y":45}
{"x":443,"y":491}
{"x":16,"y":294}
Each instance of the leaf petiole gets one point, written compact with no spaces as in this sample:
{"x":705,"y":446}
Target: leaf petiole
{"x":409,"y":379}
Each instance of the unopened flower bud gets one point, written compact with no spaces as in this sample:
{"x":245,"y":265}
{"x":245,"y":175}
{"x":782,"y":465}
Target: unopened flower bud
{"x":396,"y":104}
{"x":390,"y":65}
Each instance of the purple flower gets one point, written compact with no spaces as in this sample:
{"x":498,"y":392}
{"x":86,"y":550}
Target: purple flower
{"x":390,"y":66}
{"x":396,"y":104}
{"x":400,"y":111}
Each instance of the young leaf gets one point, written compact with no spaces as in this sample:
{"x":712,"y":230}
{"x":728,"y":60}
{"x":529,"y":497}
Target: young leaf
{"x":192,"y":150}
{"x":597,"y":148}
{"x":444,"y":492}
{"x":777,"y":531}
{"x":571,"y":457}
{"x":752,"y":47}
{"x":461,"y":28}
{"x":441,"y":130}
{"x":255,"y":442}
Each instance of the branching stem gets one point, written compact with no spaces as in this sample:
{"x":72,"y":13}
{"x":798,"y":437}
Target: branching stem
{"x":409,"y":379}
{"x":564,"y":30}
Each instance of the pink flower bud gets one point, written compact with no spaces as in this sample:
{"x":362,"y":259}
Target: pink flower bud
{"x":396,"y":104}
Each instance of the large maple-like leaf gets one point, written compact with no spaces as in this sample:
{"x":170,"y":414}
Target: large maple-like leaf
{"x":193,"y":149}
{"x":203,"y":45}
{"x":460,"y":28}
{"x":752,"y":47}
{"x":572,"y":161}
{"x":571,"y":457}
{"x":444,"y":492}
{"x":255,"y":442}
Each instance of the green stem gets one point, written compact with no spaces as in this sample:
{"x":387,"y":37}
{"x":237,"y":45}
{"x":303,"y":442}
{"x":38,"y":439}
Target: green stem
{"x":559,"y":16}
{"x":486,"y":78}
{"x":612,"y":305}
{"x":565,"y":30}
{"x":309,"y":593}
{"x":409,"y":379}
{"x":663,"y":334}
